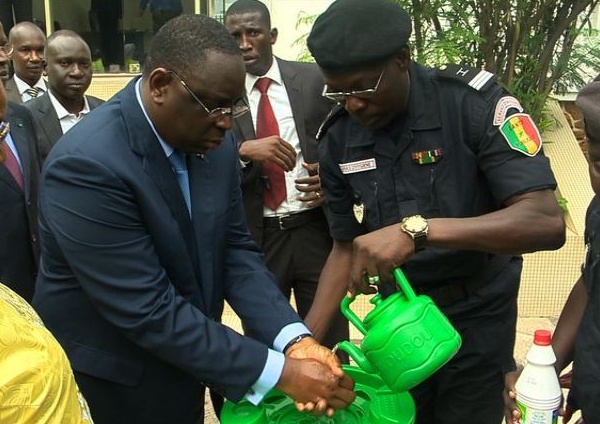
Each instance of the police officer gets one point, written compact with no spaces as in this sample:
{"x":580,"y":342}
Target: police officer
{"x":441,"y":172}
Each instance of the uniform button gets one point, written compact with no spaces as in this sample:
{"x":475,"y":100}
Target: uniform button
{"x":34,"y":239}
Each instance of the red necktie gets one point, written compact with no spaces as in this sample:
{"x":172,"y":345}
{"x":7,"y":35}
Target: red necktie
{"x":13,"y":166}
{"x":274,"y":192}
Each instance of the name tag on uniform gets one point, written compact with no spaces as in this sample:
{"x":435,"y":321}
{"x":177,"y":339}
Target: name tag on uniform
{"x":358,"y":166}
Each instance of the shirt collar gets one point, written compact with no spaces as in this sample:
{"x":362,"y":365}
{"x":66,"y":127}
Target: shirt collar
{"x":22,"y":85}
{"x":273,"y":73}
{"x":166,"y":147}
{"x":62,"y":112}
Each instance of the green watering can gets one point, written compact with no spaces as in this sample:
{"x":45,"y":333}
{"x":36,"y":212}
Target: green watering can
{"x":374,"y":404}
{"x":406,"y":337}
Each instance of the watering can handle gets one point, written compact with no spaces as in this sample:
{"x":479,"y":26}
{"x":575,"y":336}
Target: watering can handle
{"x":349,"y":313}
{"x":404,"y":284}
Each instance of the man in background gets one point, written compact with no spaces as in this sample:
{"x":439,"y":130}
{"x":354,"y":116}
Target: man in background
{"x":28,"y":42}
{"x":68,"y":66}
{"x":15,"y":11}
{"x":161,"y":10}
{"x":19,"y":180}
{"x":282,"y":194}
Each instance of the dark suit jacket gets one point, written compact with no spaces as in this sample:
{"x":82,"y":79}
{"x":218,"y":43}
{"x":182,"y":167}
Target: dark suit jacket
{"x":128,"y":282}
{"x":12,"y":91}
{"x":19,"y":251}
{"x":304,"y":86}
{"x":47,"y":124}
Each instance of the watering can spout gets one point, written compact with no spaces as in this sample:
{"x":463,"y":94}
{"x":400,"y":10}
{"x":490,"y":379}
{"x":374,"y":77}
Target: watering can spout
{"x":359,"y":357}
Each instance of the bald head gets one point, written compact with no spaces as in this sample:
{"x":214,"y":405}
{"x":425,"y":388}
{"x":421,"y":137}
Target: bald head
{"x":28,"y":43}
{"x":68,"y":68}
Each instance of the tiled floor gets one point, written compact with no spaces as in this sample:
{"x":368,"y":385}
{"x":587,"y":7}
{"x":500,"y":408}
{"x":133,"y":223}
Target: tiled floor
{"x":525,"y":330}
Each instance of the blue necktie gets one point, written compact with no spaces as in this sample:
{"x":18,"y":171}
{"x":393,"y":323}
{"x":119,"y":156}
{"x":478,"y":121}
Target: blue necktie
{"x":177,"y":160}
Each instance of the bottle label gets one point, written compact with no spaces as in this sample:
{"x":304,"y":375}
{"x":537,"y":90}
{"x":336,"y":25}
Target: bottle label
{"x":532,"y":415}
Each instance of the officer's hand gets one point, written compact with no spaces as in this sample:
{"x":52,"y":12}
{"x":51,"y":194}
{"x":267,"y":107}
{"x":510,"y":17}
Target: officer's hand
{"x":511,"y":412}
{"x":311,"y":186}
{"x":314,"y":387}
{"x":377,"y":254}
{"x":270,"y":149}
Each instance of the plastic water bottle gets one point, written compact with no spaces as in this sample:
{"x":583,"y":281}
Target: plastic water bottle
{"x":538,"y":390}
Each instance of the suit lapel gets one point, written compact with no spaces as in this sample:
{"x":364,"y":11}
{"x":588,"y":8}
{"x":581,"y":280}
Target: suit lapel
{"x":203,"y":215}
{"x":49,"y":119}
{"x":293,"y":86}
{"x":20,"y":139}
{"x":246,"y":126}
{"x":156,"y":165}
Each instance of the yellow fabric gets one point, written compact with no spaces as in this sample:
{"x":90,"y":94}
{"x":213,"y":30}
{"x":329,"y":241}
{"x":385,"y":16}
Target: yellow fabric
{"x":36,"y":381}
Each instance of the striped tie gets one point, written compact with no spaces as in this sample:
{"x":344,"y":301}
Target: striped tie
{"x":33,"y":92}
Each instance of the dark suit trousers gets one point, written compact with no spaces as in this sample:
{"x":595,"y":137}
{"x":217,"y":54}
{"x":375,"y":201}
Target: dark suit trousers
{"x":164,"y":395}
{"x":296,"y":257}
{"x":23,"y":12}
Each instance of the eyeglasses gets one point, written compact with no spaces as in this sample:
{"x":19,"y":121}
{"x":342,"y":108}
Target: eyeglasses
{"x":234,"y":111}
{"x":342,"y":96}
{"x":6,"y":49}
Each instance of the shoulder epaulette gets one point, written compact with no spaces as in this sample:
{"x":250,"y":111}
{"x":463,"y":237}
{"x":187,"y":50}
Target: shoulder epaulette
{"x":477,"y":79}
{"x":332,"y":116}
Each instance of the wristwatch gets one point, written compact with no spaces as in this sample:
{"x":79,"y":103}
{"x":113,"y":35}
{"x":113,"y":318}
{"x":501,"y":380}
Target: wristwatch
{"x":416,"y":227}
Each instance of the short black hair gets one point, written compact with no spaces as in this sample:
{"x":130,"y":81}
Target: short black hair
{"x":250,"y":6}
{"x":182,"y":43}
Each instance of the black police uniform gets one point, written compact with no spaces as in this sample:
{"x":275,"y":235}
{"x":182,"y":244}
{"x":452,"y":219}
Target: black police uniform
{"x":586,"y":366}
{"x":445,"y":158}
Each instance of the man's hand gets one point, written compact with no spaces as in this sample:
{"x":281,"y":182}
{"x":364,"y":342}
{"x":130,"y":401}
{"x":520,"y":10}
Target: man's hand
{"x":377,"y":254}
{"x":511,"y":412}
{"x":342,"y":394}
{"x":270,"y":149}
{"x":311,"y":186}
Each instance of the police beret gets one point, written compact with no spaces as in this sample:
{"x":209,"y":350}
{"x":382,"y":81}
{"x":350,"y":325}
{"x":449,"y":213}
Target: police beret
{"x":588,"y":100}
{"x":352,"y":34}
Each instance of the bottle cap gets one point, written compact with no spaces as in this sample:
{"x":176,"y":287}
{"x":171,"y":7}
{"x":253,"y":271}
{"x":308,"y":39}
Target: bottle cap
{"x":542,"y":338}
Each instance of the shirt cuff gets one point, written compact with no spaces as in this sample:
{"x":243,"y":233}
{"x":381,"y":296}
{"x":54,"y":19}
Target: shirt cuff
{"x":273,"y":368}
{"x":268,"y":378}
{"x":289,"y":333}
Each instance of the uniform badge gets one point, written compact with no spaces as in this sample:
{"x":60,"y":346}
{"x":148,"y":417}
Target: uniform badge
{"x":521,"y":134}
{"x":428,"y":156}
{"x":358,"y":208}
{"x":359,"y":212}
{"x":502,"y":108}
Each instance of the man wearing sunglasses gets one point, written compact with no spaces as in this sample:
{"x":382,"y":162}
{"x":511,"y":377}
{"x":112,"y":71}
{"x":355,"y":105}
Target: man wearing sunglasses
{"x":438,"y":171}
{"x":144,"y":237}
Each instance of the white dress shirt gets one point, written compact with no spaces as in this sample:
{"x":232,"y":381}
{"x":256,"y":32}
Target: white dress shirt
{"x":287,"y":131}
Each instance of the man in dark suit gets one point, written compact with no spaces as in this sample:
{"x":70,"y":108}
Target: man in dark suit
{"x":143,"y":238}
{"x":28,"y":42}
{"x":293,"y":232}
{"x":19,"y":179}
{"x":68,"y":66}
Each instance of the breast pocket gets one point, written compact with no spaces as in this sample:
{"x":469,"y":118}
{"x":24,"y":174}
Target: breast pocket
{"x":366,"y":198}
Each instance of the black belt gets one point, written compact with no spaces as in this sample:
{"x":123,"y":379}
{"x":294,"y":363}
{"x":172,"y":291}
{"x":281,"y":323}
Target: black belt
{"x":450,"y":293}
{"x":293,"y":220}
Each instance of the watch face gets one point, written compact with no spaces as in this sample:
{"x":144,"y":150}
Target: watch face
{"x":415,"y":224}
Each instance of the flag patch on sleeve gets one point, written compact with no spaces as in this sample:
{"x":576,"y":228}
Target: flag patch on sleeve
{"x":521,"y":134}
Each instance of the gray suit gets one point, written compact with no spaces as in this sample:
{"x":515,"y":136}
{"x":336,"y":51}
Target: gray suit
{"x":46,"y":122}
{"x":12,"y":91}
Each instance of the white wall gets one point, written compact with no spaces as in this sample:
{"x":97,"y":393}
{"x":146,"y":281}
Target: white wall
{"x":284,"y":15}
